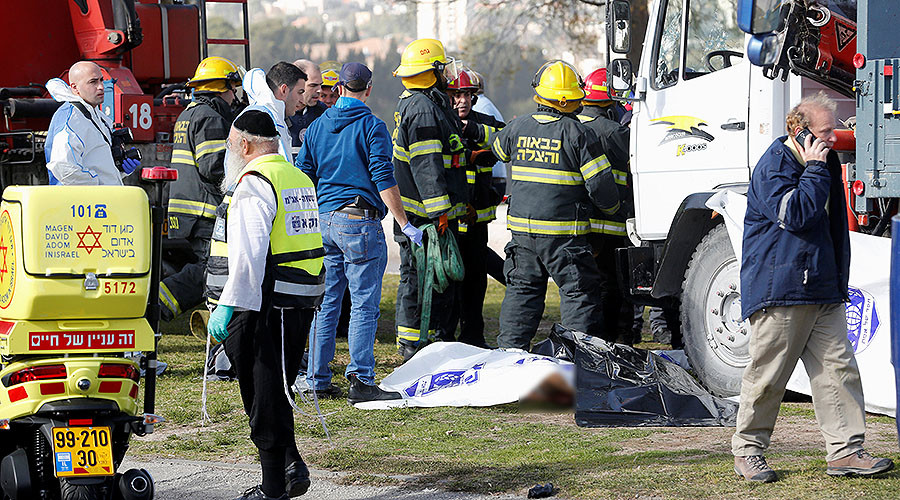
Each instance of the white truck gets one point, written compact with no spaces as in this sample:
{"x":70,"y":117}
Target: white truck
{"x":703,"y":115}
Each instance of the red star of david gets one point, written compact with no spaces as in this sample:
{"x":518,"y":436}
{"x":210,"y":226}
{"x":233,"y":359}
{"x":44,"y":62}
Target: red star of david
{"x":4,"y":248}
{"x":95,"y":244}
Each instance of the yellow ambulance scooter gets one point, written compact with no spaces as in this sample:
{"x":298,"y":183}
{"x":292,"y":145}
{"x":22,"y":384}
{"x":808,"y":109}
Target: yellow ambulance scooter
{"x":77,"y":265}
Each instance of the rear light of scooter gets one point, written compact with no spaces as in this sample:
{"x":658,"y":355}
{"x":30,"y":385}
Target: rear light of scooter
{"x":119,"y":370}
{"x":33,"y":373}
{"x":51,"y":388}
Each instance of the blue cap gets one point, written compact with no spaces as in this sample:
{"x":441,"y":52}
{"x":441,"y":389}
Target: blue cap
{"x":355,"y":77}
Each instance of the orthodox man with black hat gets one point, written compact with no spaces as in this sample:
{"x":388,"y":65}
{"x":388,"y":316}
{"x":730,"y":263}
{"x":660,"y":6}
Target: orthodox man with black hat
{"x":429,"y":165}
{"x":560,"y":180}
{"x":268,"y":281}
{"x":198,"y":153}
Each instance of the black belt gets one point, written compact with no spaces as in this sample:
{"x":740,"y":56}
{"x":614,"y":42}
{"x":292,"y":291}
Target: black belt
{"x":362,"y":212}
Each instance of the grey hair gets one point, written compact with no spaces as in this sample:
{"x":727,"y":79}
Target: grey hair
{"x":271,"y":142}
{"x":799,"y":115}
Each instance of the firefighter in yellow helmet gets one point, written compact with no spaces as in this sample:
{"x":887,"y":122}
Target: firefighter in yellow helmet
{"x":429,"y":166}
{"x":198,"y":153}
{"x":560,"y":179}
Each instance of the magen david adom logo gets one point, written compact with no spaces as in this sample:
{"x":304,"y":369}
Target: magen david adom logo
{"x":862,"y":319}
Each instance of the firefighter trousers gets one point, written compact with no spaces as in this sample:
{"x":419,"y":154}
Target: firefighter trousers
{"x":530,"y":261}
{"x":183,"y":290}
{"x":254,"y":347}
{"x":443,"y":326}
{"x":474,"y":250}
{"x":618,"y":313}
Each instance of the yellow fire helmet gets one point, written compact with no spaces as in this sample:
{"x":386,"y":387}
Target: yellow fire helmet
{"x":331,"y":70}
{"x":216,"y":74}
{"x":558,"y":81}
{"x":426,"y":54}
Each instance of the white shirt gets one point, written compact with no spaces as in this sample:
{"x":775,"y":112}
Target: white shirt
{"x":78,"y":150}
{"x":251,"y":214}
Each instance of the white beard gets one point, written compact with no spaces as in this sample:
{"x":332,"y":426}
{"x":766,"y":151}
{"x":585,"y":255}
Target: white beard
{"x":234,"y":167}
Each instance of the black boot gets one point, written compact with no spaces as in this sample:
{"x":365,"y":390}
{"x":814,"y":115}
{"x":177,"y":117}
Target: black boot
{"x":256,"y":493}
{"x":361,"y":392}
{"x":296,"y":478}
{"x":406,"y":349}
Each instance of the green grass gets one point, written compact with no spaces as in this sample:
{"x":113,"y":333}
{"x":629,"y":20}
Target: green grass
{"x":498,"y":449}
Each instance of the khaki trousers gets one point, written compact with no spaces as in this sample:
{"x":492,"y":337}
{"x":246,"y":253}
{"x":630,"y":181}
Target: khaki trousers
{"x":817,"y":334}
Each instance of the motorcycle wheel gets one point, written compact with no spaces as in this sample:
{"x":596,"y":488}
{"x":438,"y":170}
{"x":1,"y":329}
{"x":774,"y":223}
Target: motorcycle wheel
{"x":70,"y":491}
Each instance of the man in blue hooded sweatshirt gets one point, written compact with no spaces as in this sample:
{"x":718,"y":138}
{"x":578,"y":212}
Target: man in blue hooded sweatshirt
{"x":347,"y":153}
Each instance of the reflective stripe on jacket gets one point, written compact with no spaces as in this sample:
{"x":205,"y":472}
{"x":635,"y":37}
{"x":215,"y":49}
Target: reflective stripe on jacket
{"x":479,"y":134}
{"x":294,"y":266}
{"x":560,"y":176}
{"x":614,"y":139}
{"x":198,"y":153}
{"x":428,"y":156}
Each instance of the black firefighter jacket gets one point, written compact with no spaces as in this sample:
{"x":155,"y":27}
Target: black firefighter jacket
{"x":429,"y":159}
{"x":198,"y":153}
{"x":614,"y":139}
{"x":478,"y":134}
{"x":561,"y":180}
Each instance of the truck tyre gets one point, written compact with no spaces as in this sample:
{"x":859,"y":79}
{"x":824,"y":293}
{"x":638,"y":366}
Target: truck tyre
{"x":70,"y":491}
{"x":716,"y":341}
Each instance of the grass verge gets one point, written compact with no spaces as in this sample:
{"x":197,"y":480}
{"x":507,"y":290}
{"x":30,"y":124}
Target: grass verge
{"x":504,"y":448}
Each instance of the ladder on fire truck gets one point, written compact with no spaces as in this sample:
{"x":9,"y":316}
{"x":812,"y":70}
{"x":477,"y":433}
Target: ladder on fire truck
{"x":205,"y":41}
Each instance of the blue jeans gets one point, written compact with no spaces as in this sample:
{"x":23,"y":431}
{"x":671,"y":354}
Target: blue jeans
{"x":355,"y":256}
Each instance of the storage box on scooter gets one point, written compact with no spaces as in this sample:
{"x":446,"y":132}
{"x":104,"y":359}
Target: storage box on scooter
{"x":74,"y":252}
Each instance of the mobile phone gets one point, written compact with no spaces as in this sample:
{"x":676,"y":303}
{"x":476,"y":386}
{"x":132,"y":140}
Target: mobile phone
{"x":802,"y":135}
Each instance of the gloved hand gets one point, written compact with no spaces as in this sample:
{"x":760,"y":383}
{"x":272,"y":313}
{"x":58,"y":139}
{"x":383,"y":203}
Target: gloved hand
{"x":217,"y":326}
{"x":129,"y":165}
{"x":413,"y":233}
{"x":484,"y":158}
{"x":471,"y":214}
{"x":442,"y":224}
{"x":470,"y":129}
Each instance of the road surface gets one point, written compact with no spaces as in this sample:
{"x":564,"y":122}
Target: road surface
{"x":182,"y":479}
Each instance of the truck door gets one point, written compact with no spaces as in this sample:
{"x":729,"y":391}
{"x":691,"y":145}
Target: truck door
{"x":690,"y":132}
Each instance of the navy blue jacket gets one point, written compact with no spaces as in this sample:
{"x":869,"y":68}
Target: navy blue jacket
{"x":301,"y":121}
{"x":347,"y":152}
{"x":794,"y":252}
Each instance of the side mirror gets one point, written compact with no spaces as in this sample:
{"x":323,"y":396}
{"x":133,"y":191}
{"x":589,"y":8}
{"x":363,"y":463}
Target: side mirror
{"x":619,"y":79}
{"x":759,"y":17}
{"x":618,"y":26}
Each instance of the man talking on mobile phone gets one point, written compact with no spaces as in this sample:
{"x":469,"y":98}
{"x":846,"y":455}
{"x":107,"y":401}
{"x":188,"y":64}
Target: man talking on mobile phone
{"x":794,"y":270}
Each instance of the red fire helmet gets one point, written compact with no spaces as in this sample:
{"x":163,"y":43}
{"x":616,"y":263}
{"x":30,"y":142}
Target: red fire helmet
{"x":595,"y":86}
{"x":467,"y":80}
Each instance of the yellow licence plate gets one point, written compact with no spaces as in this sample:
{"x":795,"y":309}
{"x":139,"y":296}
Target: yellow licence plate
{"x":82,"y":451}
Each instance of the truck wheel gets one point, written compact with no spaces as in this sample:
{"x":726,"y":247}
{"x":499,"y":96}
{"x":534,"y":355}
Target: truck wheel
{"x":70,"y":491}
{"x":716,"y":341}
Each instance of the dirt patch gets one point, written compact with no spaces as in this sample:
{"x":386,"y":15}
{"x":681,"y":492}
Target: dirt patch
{"x":539,"y":416}
{"x":791,"y":434}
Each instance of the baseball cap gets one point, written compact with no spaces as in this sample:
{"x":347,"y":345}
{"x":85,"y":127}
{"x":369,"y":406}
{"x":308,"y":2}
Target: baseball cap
{"x":355,"y":77}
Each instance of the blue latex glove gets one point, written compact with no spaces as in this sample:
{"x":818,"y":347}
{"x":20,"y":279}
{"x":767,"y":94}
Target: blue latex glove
{"x":129,"y":165}
{"x":218,"y":322}
{"x":413,"y":233}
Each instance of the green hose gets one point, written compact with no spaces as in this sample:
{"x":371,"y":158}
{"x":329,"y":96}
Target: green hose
{"x":437,"y":262}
